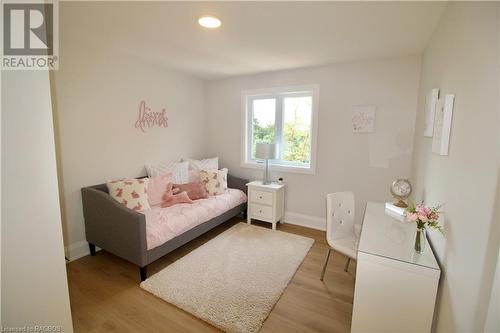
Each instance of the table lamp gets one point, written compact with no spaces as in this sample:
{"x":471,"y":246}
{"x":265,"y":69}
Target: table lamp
{"x":266,"y":151}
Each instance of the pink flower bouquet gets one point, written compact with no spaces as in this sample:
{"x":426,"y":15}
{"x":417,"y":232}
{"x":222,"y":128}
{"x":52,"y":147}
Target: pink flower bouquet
{"x":424,"y":216}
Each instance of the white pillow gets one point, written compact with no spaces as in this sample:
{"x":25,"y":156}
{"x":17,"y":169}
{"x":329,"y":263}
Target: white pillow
{"x":206,"y":164}
{"x":179,"y":170}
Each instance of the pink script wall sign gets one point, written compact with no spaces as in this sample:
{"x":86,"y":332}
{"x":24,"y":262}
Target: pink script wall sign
{"x":148,"y":118}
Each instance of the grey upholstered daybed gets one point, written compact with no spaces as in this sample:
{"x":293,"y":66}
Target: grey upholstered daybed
{"x":122,"y":231}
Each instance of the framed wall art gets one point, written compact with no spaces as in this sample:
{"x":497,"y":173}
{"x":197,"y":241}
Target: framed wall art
{"x":442,"y":125}
{"x":363,"y":119}
{"x":430,"y":112}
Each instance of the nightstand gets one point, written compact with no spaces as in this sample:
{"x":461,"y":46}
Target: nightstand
{"x":266,"y":202}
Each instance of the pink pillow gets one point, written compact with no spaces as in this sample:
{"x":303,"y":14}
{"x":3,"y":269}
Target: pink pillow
{"x":173,"y":197}
{"x":195,"y":191}
{"x":157,"y":187}
{"x":194,"y":176}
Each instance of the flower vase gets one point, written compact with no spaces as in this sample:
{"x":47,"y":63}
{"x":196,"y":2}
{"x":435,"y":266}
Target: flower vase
{"x":420,"y":240}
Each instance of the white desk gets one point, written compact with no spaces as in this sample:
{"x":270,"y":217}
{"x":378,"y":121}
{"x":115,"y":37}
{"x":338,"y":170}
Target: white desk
{"x":395,"y":287}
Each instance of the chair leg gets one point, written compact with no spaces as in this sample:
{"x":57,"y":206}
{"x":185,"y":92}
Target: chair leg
{"x":326,"y":263}
{"x":346,"y":268}
{"x":92,"y":249}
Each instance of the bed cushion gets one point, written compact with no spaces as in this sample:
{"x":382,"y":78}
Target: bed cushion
{"x":163,"y":224}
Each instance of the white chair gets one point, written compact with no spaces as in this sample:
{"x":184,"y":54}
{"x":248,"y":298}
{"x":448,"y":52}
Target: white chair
{"x":342,"y":234}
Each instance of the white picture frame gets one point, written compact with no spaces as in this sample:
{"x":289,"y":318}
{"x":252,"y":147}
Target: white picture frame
{"x":430,"y":112}
{"x":442,"y":125}
{"x":363,"y":118}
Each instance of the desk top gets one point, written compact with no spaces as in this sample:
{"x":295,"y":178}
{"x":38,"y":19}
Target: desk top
{"x":385,"y":236}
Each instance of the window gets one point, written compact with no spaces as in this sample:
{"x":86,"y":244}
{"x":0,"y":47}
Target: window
{"x":287,"y":117}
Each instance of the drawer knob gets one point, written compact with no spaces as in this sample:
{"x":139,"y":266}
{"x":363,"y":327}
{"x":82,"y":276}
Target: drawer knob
{"x":260,"y":210}
{"x":260,"y":196}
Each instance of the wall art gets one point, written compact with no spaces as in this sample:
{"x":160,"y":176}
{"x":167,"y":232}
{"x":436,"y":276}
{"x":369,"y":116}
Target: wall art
{"x":430,"y":111}
{"x":148,"y":118}
{"x":363,"y":119}
{"x":442,"y":125}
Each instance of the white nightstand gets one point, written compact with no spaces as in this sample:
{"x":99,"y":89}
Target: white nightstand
{"x":266,"y":202}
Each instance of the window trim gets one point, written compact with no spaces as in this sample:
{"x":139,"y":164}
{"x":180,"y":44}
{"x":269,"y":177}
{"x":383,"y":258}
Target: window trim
{"x":246,"y":95}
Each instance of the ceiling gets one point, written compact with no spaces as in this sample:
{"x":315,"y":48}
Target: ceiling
{"x":255,"y":36}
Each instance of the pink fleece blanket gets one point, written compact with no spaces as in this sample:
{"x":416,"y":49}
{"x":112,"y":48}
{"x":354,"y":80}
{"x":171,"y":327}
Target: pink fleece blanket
{"x":163,"y":224}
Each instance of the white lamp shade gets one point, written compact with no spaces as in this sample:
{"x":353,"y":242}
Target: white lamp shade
{"x":266,"y":151}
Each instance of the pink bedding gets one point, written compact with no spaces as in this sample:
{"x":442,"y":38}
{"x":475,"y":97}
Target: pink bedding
{"x":163,"y":224}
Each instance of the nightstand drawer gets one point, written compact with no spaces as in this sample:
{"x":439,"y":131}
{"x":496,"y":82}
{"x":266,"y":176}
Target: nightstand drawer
{"x":261,"y":197}
{"x":261,"y":211}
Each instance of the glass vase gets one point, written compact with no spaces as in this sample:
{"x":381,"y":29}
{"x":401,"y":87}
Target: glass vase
{"x":420,"y":240}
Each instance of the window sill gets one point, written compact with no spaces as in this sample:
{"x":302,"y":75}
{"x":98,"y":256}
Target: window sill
{"x":281,"y":168}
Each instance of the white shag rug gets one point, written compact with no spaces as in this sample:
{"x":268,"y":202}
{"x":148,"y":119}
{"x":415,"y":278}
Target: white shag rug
{"x":234,"y":280}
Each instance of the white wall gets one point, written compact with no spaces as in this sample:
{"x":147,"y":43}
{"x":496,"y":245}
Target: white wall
{"x":98,"y":88}
{"x":34,"y":286}
{"x":492,"y":323}
{"x":0,"y":207}
{"x":462,"y":58}
{"x":493,"y":318}
{"x":363,"y":163}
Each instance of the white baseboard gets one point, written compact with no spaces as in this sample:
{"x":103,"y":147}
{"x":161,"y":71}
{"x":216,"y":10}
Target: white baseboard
{"x":77,"y":250}
{"x":313,"y":222}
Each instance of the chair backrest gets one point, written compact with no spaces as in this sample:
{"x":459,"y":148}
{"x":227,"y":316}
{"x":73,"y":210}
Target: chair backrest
{"x":339,"y":215}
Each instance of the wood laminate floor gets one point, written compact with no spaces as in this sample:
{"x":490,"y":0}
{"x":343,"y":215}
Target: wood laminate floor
{"x":106,"y":297}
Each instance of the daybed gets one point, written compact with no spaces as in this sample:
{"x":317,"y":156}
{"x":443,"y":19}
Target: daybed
{"x":142,"y":238}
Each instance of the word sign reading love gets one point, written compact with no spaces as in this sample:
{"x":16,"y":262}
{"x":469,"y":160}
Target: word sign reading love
{"x":148,"y":118}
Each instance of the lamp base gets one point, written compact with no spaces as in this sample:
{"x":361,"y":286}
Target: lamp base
{"x":266,"y":180}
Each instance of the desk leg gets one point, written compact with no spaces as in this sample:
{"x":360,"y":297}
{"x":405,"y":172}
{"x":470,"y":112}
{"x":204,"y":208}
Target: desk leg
{"x":249,"y":220}
{"x":274,"y":225}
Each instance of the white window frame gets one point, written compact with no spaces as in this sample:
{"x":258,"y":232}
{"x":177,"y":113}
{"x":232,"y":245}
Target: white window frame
{"x":246,"y":128}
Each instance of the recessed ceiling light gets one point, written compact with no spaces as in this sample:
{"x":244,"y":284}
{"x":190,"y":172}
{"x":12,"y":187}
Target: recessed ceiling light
{"x":209,"y":22}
